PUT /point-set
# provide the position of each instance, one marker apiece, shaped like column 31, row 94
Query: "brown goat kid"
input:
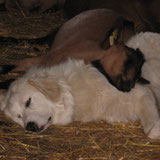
column 81, row 37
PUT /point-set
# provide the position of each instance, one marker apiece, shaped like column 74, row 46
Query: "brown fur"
column 81, row 38
column 77, row 39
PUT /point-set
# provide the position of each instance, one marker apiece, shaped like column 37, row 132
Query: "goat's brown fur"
column 81, row 37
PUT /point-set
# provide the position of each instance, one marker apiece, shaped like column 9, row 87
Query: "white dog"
column 74, row 91
column 149, row 44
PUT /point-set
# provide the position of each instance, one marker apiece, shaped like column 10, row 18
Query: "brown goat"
column 81, row 37
column 145, row 14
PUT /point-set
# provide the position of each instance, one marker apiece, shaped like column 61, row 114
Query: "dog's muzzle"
column 31, row 126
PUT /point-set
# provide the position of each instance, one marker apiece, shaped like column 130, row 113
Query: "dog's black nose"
column 31, row 126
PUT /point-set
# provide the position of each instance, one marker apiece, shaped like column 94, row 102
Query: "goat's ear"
column 111, row 38
column 48, row 88
column 142, row 80
column 3, row 101
column 113, row 35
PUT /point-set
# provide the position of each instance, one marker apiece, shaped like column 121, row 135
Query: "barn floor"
column 77, row 141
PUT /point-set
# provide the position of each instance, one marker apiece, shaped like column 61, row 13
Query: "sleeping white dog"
column 74, row 91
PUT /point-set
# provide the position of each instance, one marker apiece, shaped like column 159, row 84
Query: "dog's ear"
column 3, row 101
column 48, row 88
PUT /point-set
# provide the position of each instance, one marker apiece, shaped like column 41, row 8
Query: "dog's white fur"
column 149, row 44
column 74, row 91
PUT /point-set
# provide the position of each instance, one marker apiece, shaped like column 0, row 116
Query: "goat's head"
column 123, row 66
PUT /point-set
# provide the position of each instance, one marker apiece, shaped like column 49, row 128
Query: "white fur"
column 149, row 44
column 85, row 95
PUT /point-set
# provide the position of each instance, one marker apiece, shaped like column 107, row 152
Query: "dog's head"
column 37, row 103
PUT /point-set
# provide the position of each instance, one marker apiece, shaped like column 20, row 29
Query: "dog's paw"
column 155, row 131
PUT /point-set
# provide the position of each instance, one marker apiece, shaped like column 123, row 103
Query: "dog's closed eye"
column 19, row 116
column 28, row 102
column 49, row 119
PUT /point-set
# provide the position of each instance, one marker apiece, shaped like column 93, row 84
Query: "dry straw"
column 93, row 141
column 77, row 141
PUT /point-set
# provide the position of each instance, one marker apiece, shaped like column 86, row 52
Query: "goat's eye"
column 19, row 116
column 49, row 118
column 28, row 102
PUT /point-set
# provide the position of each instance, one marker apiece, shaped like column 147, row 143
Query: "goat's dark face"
column 131, row 69
column 123, row 66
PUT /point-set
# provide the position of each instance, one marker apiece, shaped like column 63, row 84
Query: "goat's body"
column 80, row 38
column 90, row 30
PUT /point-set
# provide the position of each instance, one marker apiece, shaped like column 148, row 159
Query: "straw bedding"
column 83, row 141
